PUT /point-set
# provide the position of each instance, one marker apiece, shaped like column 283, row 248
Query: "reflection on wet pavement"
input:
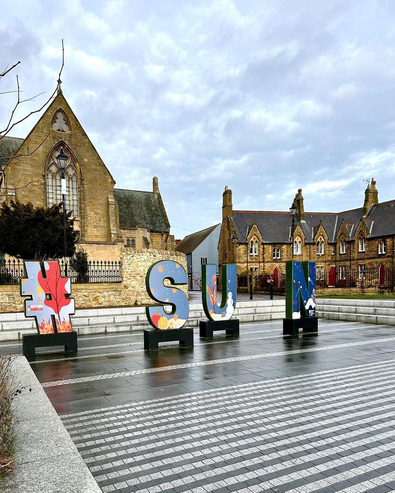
column 254, row 413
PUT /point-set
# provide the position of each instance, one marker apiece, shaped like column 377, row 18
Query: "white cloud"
column 255, row 95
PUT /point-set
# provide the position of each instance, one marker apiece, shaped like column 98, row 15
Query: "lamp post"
column 292, row 210
column 62, row 159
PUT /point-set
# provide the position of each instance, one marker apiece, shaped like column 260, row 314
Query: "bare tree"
column 11, row 121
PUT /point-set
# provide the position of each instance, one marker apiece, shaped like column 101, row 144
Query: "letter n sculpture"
column 49, row 303
column 219, row 316
column 300, row 298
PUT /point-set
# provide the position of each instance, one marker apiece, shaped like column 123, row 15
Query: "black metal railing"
column 352, row 278
column 99, row 271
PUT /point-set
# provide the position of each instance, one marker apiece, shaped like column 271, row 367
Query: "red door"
column 332, row 276
column 382, row 275
column 275, row 275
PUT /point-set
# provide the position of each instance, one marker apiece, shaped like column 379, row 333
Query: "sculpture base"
column 66, row 339
column 153, row 336
column 291, row 326
column 231, row 326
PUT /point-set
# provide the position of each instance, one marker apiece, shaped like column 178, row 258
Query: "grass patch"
column 7, row 431
column 359, row 296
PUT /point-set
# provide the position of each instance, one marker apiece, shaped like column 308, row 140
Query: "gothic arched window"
column 60, row 122
column 297, row 246
column 54, row 184
column 254, row 245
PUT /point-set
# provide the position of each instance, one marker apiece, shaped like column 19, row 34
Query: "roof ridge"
column 132, row 190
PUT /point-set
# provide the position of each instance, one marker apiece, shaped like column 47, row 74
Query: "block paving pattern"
column 258, row 413
column 328, row 431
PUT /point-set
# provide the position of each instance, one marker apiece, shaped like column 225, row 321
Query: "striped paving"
column 255, row 413
column 326, row 431
column 57, row 383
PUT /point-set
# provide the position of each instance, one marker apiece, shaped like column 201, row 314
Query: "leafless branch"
column 2, row 74
column 10, row 125
column 6, row 158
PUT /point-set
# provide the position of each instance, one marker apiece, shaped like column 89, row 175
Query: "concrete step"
column 380, row 319
column 357, row 309
column 106, row 320
column 359, row 302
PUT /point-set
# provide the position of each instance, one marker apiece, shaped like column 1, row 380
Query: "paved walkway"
column 257, row 413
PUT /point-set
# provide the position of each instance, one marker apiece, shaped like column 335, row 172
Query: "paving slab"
column 258, row 412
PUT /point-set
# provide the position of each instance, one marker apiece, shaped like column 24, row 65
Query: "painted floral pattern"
column 49, row 303
column 175, row 300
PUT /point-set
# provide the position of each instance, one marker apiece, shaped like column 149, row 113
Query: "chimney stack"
column 298, row 201
column 371, row 197
column 155, row 185
column 227, row 207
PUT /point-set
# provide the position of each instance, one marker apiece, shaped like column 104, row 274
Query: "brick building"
column 350, row 248
column 107, row 218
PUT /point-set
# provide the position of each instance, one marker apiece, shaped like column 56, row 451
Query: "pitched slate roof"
column 275, row 227
column 139, row 209
column 8, row 147
column 383, row 217
column 191, row 242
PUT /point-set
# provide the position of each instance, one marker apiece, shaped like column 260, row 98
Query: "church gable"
column 34, row 175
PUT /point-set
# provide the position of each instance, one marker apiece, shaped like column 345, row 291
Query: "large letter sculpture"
column 168, row 325
column 300, row 298
column 50, row 305
column 219, row 316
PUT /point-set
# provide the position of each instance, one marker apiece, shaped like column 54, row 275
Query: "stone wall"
column 130, row 292
column 135, row 266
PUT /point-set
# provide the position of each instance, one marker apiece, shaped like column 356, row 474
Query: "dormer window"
column 361, row 244
column 320, row 246
column 298, row 246
column 342, row 247
column 254, row 247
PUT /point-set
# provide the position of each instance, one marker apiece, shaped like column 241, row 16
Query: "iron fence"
column 99, row 271
column 381, row 279
column 355, row 278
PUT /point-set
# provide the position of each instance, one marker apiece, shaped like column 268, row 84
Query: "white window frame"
column 381, row 247
column 320, row 247
column 254, row 249
column 298, row 246
column 361, row 245
column 361, row 271
column 276, row 253
column 342, row 247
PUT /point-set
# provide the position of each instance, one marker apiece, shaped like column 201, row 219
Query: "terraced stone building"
column 351, row 248
column 107, row 218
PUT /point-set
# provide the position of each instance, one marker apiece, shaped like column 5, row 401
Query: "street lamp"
column 62, row 159
column 292, row 210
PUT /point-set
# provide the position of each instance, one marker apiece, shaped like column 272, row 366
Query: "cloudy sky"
column 263, row 96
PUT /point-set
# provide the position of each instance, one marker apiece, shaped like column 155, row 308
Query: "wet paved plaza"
column 254, row 413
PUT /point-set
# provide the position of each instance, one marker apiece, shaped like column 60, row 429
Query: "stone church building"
column 107, row 218
column 351, row 248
